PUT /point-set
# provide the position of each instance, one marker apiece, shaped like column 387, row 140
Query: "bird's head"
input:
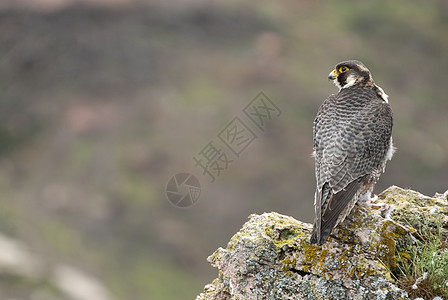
column 351, row 73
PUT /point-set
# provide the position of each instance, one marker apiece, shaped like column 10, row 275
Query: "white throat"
column 336, row 83
column 351, row 80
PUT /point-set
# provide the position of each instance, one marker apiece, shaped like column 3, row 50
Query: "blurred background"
column 102, row 102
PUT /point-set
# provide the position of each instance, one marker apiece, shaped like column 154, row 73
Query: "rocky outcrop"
column 271, row 258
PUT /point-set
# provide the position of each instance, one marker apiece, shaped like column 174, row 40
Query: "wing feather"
column 351, row 137
column 329, row 216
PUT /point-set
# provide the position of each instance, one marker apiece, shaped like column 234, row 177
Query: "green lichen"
column 344, row 235
column 287, row 234
column 267, row 257
column 404, row 257
column 288, row 264
column 322, row 256
column 311, row 253
column 385, row 249
column 345, row 261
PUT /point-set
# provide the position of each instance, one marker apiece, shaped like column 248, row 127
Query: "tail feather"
column 320, row 198
column 328, row 209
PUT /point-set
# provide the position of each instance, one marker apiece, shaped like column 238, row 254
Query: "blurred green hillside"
column 101, row 105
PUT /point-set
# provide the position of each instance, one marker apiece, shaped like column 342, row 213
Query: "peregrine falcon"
column 352, row 139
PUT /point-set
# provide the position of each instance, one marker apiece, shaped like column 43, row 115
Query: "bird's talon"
column 387, row 213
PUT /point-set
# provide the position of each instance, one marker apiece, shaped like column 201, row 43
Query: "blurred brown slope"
column 101, row 106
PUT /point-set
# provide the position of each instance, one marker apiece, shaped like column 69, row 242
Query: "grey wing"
column 347, row 147
column 327, row 215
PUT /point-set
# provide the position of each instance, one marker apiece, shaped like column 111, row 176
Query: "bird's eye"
column 343, row 69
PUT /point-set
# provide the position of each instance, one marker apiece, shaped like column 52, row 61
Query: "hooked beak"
column 332, row 75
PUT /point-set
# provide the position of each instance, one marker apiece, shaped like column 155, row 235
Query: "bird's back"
column 351, row 135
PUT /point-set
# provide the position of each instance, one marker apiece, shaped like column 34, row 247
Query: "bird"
column 352, row 141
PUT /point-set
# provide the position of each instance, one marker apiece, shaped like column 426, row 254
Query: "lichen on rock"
column 271, row 258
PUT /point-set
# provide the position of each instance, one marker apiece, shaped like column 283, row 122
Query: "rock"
column 271, row 258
